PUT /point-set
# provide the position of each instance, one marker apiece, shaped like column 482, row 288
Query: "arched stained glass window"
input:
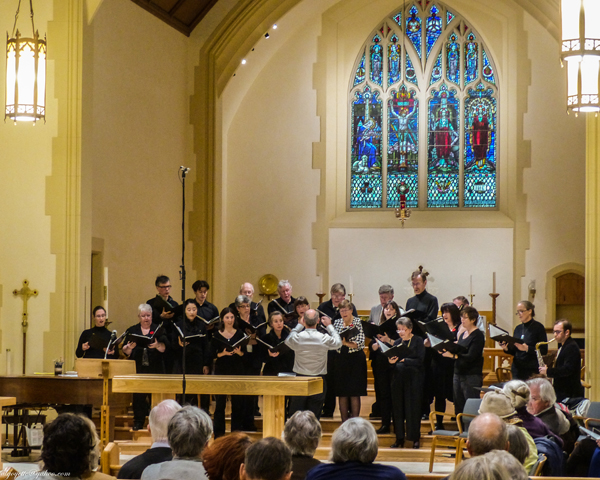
column 423, row 114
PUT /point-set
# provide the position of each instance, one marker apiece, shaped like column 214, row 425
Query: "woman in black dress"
column 443, row 367
column 229, row 362
column 468, row 366
column 407, row 385
column 350, row 367
column 147, row 359
column 197, row 352
column 87, row 350
column 277, row 362
column 382, row 371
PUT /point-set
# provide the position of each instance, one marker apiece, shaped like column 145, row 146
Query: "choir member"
column 257, row 309
column 382, row 372
column 163, row 311
column 468, row 365
column 525, row 363
column 330, row 309
column 147, row 359
column 285, row 302
column 407, row 385
column 301, row 306
column 351, row 363
column 443, row 367
column 229, row 362
column 197, row 351
column 566, row 370
column 277, row 362
column 84, row 349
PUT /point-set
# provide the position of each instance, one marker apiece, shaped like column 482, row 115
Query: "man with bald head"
column 487, row 432
column 311, row 347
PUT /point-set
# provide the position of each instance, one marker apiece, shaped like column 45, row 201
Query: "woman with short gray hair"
column 353, row 451
column 302, row 434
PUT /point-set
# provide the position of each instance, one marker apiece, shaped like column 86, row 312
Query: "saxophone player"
column 567, row 366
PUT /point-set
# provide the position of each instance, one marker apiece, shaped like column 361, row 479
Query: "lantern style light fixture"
column 25, row 74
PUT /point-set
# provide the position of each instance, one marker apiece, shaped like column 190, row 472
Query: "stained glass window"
column 423, row 76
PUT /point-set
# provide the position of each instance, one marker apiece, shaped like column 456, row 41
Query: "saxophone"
column 538, row 354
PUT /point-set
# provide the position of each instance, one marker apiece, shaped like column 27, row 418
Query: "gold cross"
column 25, row 292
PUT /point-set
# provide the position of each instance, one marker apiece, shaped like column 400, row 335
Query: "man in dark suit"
column 160, row 451
column 566, row 371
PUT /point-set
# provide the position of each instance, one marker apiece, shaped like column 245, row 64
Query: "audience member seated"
column 302, row 434
column 480, row 468
column 519, row 394
column 487, row 432
column 69, row 449
column 353, row 451
column 542, row 405
column 188, row 433
column 498, row 402
column 267, row 459
column 223, row 457
column 517, row 443
column 515, row 469
column 160, row 451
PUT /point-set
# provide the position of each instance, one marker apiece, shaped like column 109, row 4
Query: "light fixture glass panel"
column 10, row 74
column 572, row 75
column 592, row 16
column 570, row 19
column 26, row 74
column 41, row 81
column 589, row 75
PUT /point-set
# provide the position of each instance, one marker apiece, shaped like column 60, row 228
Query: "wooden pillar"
column 592, row 257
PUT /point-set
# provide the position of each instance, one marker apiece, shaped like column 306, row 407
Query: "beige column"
column 592, row 256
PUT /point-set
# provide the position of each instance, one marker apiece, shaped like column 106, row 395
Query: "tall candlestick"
column 494, row 283
column 320, row 283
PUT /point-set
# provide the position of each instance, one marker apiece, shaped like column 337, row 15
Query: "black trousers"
column 329, row 401
column 382, row 376
column 407, row 388
column 314, row 403
column 141, row 408
column 237, row 405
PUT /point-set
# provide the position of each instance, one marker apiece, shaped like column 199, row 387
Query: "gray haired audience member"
column 542, row 405
column 353, row 450
column 481, row 468
column 160, row 451
column 267, row 459
column 302, row 434
column 189, row 431
column 516, row 471
column 517, row 443
column 487, row 432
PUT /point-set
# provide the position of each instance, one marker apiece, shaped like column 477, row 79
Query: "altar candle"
column 494, row 283
column 320, row 283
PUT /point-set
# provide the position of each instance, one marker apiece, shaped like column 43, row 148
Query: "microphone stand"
column 183, row 382
column 182, row 273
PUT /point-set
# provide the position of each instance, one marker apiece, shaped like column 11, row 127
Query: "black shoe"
column 383, row 430
column 374, row 415
column 327, row 414
column 251, row 428
column 416, row 444
column 397, row 444
column 425, row 417
column 136, row 427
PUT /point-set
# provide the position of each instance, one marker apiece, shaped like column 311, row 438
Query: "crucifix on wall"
column 25, row 293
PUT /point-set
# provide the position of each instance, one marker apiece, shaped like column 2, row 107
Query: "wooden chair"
column 503, row 374
column 536, row 469
column 9, row 473
column 452, row 438
column 110, row 463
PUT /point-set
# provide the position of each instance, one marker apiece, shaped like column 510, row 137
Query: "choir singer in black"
column 91, row 340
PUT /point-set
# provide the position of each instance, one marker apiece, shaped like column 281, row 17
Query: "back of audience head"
column 189, row 431
column 487, row 432
column 69, row 446
column 542, row 395
column 480, row 468
column 518, row 392
column 354, row 441
column 159, row 418
column 267, row 459
column 515, row 469
column 302, row 433
column 517, row 443
column 222, row 459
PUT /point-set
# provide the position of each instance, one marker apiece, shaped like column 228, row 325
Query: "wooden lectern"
column 107, row 369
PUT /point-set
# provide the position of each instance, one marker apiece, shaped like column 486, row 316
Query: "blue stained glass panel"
column 403, row 132
column 442, row 190
column 443, row 148
column 366, row 154
column 413, row 29
column 365, row 191
column 359, row 77
column 394, row 61
column 376, row 74
column 480, row 147
column 393, row 196
column 471, row 59
column 434, row 28
column 410, row 74
column 453, row 60
column 487, row 71
column 449, row 16
column 436, row 73
column 398, row 19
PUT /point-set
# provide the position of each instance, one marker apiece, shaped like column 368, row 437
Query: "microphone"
column 185, row 170
column 113, row 337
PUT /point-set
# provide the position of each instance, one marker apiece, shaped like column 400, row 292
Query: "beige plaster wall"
column 137, row 124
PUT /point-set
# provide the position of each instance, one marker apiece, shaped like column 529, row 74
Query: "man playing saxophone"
column 566, row 369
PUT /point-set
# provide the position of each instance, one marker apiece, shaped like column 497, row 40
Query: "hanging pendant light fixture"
column 25, row 74
column 580, row 49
